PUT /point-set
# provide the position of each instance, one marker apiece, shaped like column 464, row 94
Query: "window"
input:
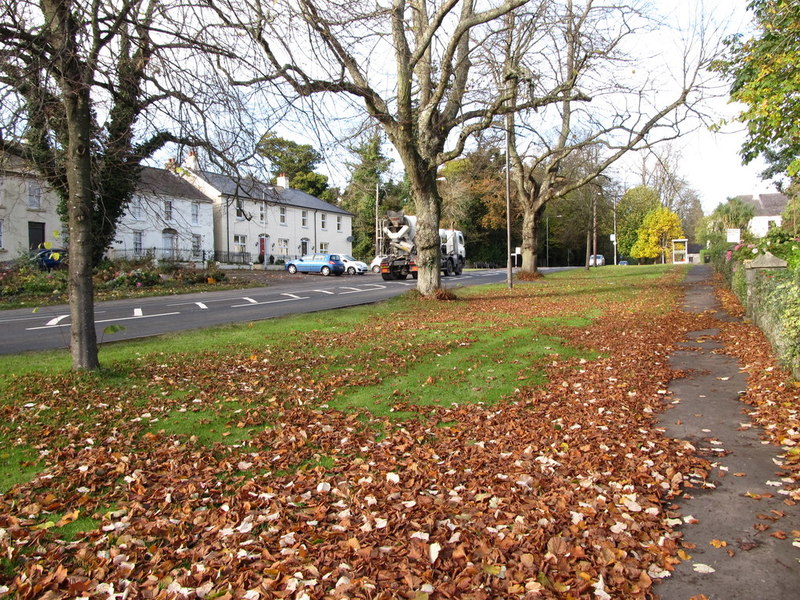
column 195, row 213
column 137, row 243
column 2, row 227
column 282, row 215
column 240, row 243
column 304, row 218
column 34, row 194
column 136, row 208
column 169, row 244
column 197, row 245
column 283, row 246
column 168, row 210
column 239, row 209
column 323, row 220
column 262, row 212
column 323, row 247
column 338, row 222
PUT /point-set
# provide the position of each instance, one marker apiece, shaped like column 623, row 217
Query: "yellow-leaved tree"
column 659, row 228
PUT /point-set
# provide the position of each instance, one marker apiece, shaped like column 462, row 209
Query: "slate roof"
column 160, row 182
column 257, row 190
column 766, row 205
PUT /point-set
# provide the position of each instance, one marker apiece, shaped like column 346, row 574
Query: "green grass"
column 18, row 464
column 483, row 371
column 207, row 426
column 400, row 352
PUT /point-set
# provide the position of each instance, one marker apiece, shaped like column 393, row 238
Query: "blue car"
column 49, row 258
column 324, row 264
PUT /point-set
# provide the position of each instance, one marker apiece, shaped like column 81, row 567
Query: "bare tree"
column 88, row 90
column 611, row 99
column 409, row 64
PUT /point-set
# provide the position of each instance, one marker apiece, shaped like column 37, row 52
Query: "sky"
column 710, row 160
column 711, row 163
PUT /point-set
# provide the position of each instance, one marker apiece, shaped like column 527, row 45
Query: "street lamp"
column 509, row 276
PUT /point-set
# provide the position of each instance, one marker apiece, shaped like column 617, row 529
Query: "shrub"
column 136, row 278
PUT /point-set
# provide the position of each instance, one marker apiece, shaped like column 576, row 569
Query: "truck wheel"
column 446, row 269
column 387, row 276
column 326, row 271
column 414, row 275
column 459, row 268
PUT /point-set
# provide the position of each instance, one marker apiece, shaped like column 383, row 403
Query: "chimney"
column 191, row 161
column 283, row 181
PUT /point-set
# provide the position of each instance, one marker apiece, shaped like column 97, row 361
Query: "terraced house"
column 255, row 222
column 28, row 210
column 186, row 215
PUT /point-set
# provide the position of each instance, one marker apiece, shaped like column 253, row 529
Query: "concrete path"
column 733, row 527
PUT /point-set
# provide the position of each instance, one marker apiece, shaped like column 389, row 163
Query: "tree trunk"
column 530, row 241
column 428, row 205
column 83, row 338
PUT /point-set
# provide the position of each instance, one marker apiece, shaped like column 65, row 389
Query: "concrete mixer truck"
column 397, row 243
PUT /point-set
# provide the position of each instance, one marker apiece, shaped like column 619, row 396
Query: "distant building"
column 255, row 222
column 28, row 210
column 166, row 219
column 768, row 210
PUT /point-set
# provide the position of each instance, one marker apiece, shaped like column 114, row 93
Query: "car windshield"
column 350, row 258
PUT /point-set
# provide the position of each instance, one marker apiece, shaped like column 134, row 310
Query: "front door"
column 35, row 234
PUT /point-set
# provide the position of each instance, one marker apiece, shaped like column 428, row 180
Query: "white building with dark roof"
column 28, row 210
column 167, row 219
column 768, row 210
column 255, row 222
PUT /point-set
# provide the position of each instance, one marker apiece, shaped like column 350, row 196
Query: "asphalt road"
column 21, row 330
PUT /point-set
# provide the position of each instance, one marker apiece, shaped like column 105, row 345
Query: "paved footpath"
column 737, row 517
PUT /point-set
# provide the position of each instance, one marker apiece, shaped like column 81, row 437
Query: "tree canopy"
column 659, row 228
column 632, row 209
column 765, row 76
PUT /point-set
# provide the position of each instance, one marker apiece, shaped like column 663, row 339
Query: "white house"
column 768, row 210
column 28, row 215
column 167, row 218
column 258, row 222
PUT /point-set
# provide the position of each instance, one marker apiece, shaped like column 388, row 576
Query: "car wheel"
column 351, row 270
column 292, row 269
column 326, row 271
column 376, row 269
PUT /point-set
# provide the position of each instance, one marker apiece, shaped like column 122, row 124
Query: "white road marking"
column 137, row 312
column 106, row 321
column 324, row 292
column 250, row 300
column 201, row 305
column 55, row 321
column 289, row 299
column 352, row 290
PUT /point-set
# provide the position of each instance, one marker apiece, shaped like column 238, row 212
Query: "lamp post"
column 377, row 221
column 509, row 275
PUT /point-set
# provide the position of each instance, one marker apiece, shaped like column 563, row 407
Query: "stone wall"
column 756, row 284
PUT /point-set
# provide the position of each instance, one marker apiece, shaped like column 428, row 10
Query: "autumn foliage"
column 562, row 490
